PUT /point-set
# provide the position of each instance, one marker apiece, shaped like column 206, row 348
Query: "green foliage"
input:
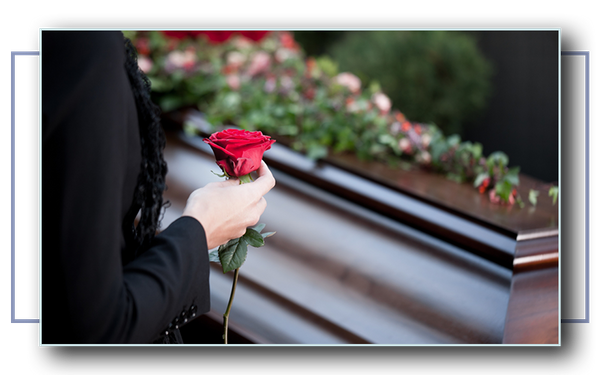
column 233, row 254
column 434, row 76
column 311, row 106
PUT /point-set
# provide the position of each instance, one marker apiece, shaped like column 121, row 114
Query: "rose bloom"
column 287, row 84
column 261, row 62
column 400, row 117
column 270, row 84
column 233, row 81
column 418, row 129
column 425, row 157
column 404, row 145
column 484, row 185
column 494, row 198
column 145, row 64
column 287, row 41
column 348, row 80
column 180, row 60
column 382, row 102
column 395, row 128
column 239, row 152
column 425, row 140
column 236, row 59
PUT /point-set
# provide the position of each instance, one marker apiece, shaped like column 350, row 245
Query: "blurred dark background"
column 514, row 75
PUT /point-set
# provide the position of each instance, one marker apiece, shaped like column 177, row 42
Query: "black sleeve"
column 90, row 162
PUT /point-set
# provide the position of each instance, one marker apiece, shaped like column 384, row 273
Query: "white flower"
column 286, row 83
column 348, row 80
column 404, row 145
column 425, row 157
column 235, row 59
column 425, row 140
column 283, row 54
column 382, row 102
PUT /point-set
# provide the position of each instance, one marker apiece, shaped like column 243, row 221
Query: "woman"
column 105, row 280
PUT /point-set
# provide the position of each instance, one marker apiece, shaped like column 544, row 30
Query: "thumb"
column 265, row 180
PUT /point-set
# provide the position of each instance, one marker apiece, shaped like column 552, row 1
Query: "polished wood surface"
column 355, row 261
column 338, row 273
column 532, row 315
column 462, row 199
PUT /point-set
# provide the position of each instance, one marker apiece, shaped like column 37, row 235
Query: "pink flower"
column 180, row 60
column 260, row 63
column 286, row 84
column 349, row 81
column 270, row 84
column 493, row 197
column 233, row 81
column 287, row 41
column 404, row 145
column 382, row 102
column 145, row 64
column 395, row 127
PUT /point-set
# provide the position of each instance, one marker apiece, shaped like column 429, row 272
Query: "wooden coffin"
column 365, row 256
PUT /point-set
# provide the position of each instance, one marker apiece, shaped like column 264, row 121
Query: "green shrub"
column 433, row 76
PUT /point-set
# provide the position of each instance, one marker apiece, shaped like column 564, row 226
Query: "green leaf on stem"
column 259, row 227
column 512, row 175
column 533, row 194
column 553, row 192
column 497, row 158
column 267, row 234
column 253, row 238
column 233, row 254
column 504, row 189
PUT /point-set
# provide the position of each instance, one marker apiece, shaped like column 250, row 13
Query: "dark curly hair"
column 147, row 198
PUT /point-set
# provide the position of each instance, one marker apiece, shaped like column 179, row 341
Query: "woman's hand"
column 225, row 209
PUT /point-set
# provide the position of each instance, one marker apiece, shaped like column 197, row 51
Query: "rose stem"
column 226, row 314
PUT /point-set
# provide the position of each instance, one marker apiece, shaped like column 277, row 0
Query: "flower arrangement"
column 263, row 81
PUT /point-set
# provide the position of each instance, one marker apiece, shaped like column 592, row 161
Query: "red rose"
column 239, row 152
column 255, row 36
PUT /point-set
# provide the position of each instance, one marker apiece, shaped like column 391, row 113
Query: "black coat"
column 91, row 154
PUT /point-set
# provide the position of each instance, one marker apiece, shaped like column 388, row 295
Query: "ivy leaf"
column 533, row 194
column 504, row 189
column 512, row 176
column 553, row 192
column 497, row 158
column 233, row 254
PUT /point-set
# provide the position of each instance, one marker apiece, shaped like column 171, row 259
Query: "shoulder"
column 82, row 72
